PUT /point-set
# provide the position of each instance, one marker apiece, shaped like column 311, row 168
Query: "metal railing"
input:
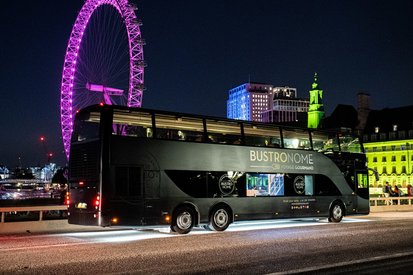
column 40, row 209
column 391, row 204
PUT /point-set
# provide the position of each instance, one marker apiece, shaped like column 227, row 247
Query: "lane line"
column 343, row 264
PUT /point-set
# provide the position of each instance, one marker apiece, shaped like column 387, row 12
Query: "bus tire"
column 336, row 212
column 183, row 220
column 220, row 218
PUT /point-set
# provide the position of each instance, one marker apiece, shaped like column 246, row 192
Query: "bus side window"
column 225, row 132
column 169, row 134
column 135, row 124
column 319, row 140
column 325, row 187
column 262, row 135
column 331, row 144
column 362, row 180
column 179, row 128
column 86, row 127
column 131, row 130
column 350, row 144
column 296, row 139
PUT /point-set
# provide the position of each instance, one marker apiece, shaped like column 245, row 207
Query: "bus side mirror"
column 376, row 174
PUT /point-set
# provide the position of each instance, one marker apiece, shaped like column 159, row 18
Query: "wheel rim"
column 221, row 218
column 184, row 220
column 337, row 212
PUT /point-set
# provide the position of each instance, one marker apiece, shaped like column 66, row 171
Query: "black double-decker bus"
column 139, row 167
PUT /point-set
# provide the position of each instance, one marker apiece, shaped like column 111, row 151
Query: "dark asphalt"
column 375, row 244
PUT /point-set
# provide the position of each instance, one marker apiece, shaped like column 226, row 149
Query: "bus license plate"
column 81, row 205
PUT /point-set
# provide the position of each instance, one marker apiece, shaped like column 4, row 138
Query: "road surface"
column 368, row 244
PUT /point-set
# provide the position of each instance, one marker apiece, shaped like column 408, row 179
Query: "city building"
column 387, row 136
column 388, row 141
column 266, row 103
column 4, row 172
column 248, row 101
column 316, row 107
column 44, row 173
column 286, row 106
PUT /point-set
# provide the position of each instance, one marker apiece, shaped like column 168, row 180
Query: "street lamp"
column 49, row 157
column 409, row 170
column 48, row 154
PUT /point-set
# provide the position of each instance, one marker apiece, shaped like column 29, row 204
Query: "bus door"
column 127, row 202
column 151, row 205
column 362, row 191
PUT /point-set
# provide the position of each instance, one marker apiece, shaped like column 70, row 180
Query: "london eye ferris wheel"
column 103, row 62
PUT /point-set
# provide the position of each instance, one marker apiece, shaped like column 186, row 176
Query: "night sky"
column 197, row 50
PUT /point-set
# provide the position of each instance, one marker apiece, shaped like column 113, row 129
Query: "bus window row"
column 193, row 129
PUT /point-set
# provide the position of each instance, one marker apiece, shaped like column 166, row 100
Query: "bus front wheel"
column 219, row 219
column 183, row 220
column 336, row 213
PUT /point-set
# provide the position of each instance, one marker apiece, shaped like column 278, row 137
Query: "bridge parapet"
column 386, row 204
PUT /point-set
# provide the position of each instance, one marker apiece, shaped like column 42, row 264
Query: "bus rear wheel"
column 183, row 220
column 219, row 219
column 336, row 213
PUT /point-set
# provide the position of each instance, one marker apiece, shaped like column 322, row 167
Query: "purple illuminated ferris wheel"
column 103, row 62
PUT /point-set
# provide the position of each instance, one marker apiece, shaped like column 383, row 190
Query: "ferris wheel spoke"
column 105, row 48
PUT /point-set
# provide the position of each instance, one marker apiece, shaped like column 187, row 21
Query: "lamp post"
column 48, row 154
column 409, row 170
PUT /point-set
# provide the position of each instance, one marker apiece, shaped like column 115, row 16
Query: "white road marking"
column 342, row 264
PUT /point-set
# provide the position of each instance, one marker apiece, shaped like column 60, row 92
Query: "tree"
column 59, row 176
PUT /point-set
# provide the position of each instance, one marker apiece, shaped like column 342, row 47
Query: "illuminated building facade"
column 388, row 141
column 266, row 103
column 248, row 101
column 387, row 137
column 316, row 108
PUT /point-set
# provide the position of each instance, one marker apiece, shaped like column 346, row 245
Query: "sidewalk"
column 44, row 227
column 390, row 215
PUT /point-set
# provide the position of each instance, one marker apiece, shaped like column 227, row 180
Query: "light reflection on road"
column 128, row 235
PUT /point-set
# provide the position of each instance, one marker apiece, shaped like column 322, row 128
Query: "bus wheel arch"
column 185, row 217
column 337, row 211
column 220, row 217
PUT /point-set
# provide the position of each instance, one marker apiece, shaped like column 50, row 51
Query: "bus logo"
column 226, row 185
column 299, row 185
